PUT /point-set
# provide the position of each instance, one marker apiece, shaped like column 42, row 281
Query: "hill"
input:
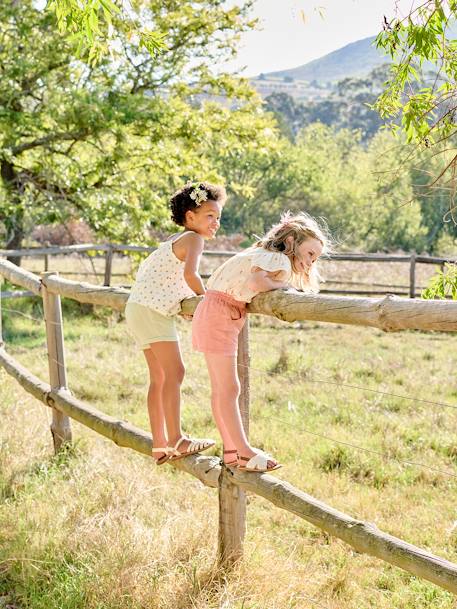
column 355, row 59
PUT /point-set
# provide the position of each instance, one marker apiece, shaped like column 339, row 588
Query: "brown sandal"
column 161, row 460
column 233, row 463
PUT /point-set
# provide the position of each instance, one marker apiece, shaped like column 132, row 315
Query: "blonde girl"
column 284, row 257
column 166, row 277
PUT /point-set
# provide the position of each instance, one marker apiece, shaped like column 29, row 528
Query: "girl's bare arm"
column 264, row 281
column 193, row 250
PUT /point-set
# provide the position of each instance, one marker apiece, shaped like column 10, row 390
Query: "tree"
column 353, row 189
column 426, row 105
column 108, row 143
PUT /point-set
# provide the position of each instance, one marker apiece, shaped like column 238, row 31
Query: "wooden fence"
column 389, row 313
column 109, row 250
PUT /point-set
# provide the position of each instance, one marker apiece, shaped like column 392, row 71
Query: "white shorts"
column 147, row 326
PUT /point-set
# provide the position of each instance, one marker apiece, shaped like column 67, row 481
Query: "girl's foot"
column 232, row 458
column 260, row 462
column 162, row 455
column 188, row 446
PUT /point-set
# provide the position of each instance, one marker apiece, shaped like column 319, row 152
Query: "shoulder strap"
column 181, row 235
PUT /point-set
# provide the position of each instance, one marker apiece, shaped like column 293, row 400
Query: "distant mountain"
column 355, row 59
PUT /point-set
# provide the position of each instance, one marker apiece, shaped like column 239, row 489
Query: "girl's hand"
column 186, row 316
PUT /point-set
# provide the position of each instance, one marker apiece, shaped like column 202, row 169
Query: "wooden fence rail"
column 387, row 313
column 120, row 247
column 108, row 250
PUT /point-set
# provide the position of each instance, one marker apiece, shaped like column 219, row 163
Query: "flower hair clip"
column 199, row 195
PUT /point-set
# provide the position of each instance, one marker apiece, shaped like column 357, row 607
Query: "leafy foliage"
column 91, row 24
column 108, row 143
column 443, row 285
column 423, row 40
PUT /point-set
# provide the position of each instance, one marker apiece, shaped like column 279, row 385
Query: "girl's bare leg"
column 224, row 401
column 168, row 355
column 155, row 405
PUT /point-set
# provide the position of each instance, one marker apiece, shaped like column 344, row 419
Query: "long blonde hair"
column 300, row 226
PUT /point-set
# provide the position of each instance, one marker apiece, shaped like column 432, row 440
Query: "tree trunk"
column 14, row 223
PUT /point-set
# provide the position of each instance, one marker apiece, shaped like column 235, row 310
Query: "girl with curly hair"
column 164, row 279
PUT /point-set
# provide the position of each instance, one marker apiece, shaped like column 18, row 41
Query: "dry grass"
column 100, row 527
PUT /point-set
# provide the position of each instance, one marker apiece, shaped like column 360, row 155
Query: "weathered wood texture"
column 243, row 363
column 232, row 498
column 1, row 295
column 387, row 313
column 19, row 276
column 362, row 536
column 108, row 266
column 60, row 425
column 232, row 519
column 122, row 433
column 412, row 276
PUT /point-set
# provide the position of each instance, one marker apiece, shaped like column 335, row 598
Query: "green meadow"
column 364, row 421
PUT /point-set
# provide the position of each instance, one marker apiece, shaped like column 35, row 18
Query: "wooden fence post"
column 46, row 263
column 232, row 499
column 412, row 276
column 60, row 426
column 108, row 265
column 1, row 332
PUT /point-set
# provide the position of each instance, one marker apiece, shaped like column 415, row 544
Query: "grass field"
column 101, row 527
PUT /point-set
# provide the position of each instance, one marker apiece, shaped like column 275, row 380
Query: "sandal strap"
column 160, row 450
column 257, row 462
column 195, row 445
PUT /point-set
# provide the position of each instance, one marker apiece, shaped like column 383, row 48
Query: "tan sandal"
column 194, row 446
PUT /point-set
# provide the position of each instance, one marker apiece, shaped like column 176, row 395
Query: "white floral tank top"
column 160, row 283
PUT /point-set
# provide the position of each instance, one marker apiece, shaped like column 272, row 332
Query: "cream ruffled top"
column 232, row 276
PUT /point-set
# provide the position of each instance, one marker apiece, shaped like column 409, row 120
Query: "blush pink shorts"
column 218, row 319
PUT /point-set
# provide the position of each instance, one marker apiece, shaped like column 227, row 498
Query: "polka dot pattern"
column 160, row 283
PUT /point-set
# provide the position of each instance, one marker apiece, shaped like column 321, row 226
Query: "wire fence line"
column 305, row 379
column 322, row 436
column 290, row 377
column 351, row 386
column 364, row 537
column 384, row 456
column 295, row 428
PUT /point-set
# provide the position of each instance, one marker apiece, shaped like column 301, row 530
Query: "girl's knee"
column 156, row 378
column 229, row 390
column 175, row 375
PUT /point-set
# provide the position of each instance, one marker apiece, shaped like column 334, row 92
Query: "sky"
column 295, row 32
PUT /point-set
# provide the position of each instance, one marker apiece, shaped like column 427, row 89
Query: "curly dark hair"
column 181, row 202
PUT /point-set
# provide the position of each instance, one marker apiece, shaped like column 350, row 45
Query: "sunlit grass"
column 101, row 527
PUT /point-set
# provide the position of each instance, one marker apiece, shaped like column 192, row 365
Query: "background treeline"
column 107, row 144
